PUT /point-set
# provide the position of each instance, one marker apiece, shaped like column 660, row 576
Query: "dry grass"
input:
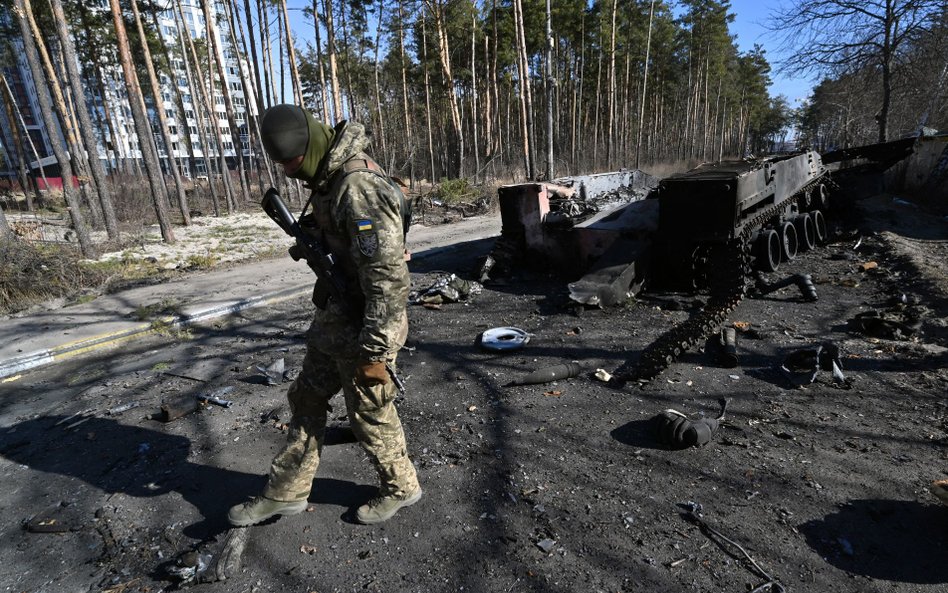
column 32, row 273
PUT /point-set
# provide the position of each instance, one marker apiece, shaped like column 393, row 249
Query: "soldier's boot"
column 383, row 508
column 262, row 508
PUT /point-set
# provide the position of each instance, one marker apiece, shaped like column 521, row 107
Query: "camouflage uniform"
column 357, row 216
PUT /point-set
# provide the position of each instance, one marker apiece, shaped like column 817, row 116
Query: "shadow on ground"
column 894, row 540
column 143, row 463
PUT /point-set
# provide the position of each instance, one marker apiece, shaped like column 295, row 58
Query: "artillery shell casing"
column 553, row 373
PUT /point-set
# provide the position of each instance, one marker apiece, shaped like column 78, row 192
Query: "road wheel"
column 806, row 233
column 788, row 241
column 767, row 251
column 819, row 226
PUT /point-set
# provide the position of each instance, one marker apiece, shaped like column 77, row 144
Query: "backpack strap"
column 367, row 165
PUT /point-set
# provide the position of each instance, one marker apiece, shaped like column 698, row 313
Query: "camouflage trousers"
column 372, row 416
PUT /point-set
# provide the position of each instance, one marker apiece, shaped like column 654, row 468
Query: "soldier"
column 357, row 216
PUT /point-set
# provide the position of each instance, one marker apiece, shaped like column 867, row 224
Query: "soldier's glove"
column 371, row 373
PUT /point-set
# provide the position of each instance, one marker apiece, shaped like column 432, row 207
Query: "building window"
column 235, row 86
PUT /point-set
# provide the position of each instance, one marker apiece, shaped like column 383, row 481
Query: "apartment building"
column 118, row 142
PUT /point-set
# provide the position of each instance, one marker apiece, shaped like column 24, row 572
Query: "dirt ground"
column 554, row 487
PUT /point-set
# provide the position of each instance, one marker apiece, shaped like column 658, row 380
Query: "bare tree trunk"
column 17, row 151
column 444, row 53
column 378, row 93
column 611, row 101
column 142, row 129
column 120, row 163
column 489, row 105
column 322, row 97
column 46, row 109
column 525, row 107
column 291, row 55
column 549, row 92
column 198, row 115
column 6, row 234
column 424, row 47
column 474, row 113
column 253, row 123
column 264, row 21
column 162, row 117
column 77, row 151
column 253, row 56
column 410, row 143
column 85, row 123
column 215, row 49
column 648, row 47
column 210, row 106
column 16, row 122
column 346, row 66
column 333, row 73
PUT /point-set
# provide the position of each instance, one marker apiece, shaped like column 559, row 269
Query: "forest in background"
column 475, row 90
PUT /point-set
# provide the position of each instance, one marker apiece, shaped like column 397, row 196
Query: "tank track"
column 730, row 267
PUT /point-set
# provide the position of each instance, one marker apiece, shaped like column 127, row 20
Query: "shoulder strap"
column 367, row 165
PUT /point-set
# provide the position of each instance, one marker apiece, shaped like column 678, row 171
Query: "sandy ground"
column 556, row 487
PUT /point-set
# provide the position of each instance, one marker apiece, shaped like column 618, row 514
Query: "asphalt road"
column 554, row 487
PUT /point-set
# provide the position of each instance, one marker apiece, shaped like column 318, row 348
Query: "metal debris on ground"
column 47, row 524
column 189, row 566
column 273, row 414
column 675, row 430
column 274, row 373
column 547, row 374
column 83, row 414
column 503, row 339
column 802, row 281
column 546, row 545
column 603, row 375
column 448, row 288
column 215, row 396
column 122, row 408
column 895, row 323
column 803, row 366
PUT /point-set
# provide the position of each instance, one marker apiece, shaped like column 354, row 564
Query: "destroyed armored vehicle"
column 705, row 229
column 773, row 206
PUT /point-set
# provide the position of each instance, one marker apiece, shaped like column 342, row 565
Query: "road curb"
column 103, row 341
column 38, row 358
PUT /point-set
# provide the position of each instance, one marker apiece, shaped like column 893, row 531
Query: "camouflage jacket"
column 357, row 216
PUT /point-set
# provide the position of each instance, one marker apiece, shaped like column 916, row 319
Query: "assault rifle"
column 307, row 247
column 319, row 259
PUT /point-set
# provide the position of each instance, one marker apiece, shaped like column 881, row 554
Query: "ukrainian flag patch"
column 366, row 237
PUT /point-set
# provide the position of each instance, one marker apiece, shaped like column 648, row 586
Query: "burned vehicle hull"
column 773, row 207
column 716, row 223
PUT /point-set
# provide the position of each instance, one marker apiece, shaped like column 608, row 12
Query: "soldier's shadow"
column 139, row 462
